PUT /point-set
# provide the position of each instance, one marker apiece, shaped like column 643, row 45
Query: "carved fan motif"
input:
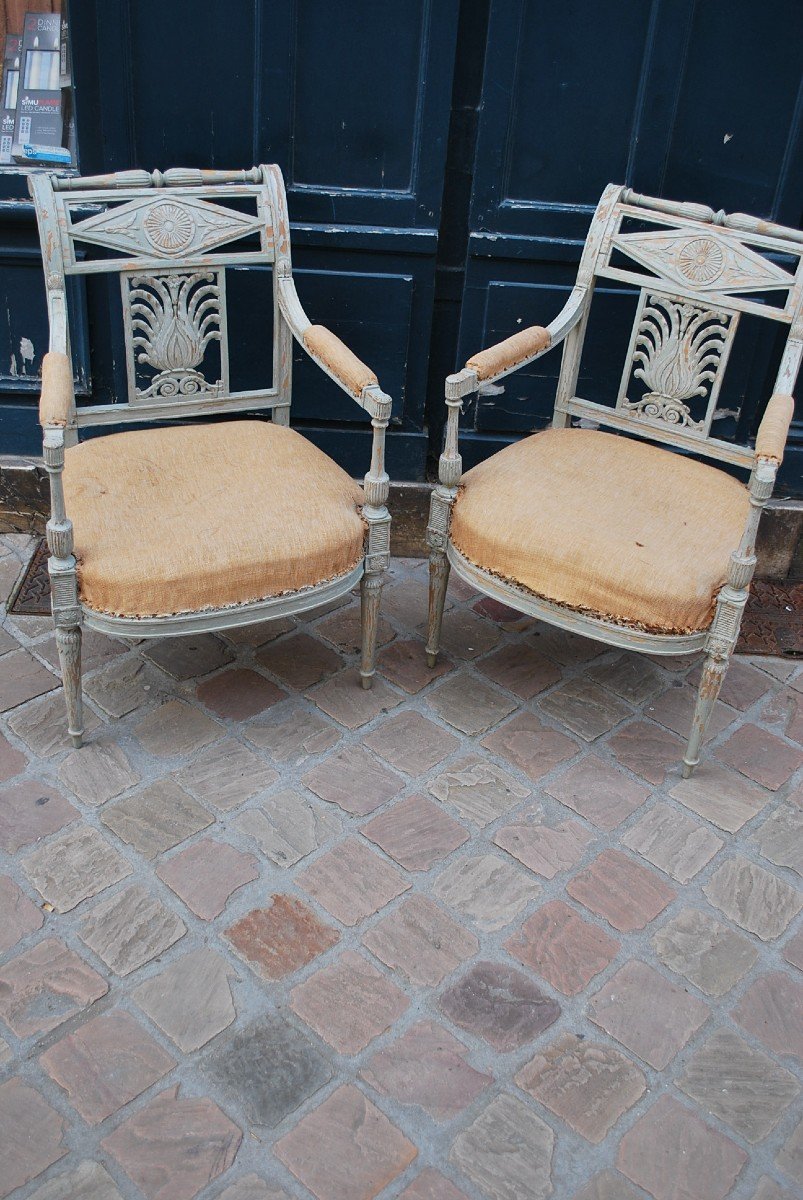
column 678, row 352
column 173, row 320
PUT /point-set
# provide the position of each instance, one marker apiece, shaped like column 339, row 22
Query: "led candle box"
column 8, row 110
column 39, row 122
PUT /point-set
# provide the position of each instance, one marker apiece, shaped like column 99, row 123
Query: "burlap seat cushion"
column 198, row 517
column 605, row 525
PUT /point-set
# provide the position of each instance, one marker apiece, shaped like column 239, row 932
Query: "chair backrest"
column 170, row 236
column 697, row 271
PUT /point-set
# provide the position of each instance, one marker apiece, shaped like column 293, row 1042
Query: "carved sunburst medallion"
column 169, row 227
column 701, row 260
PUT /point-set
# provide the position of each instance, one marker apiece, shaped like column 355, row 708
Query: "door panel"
column 664, row 96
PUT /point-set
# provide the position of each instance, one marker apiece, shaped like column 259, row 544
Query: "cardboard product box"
column 65, row 56
column 38, row 128
column 10, row 85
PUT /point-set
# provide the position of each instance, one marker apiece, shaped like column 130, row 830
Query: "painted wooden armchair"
column 611, row 536
column 194, row 527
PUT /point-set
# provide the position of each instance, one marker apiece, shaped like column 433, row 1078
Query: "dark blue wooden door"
column 352, row 101
column 695, row 101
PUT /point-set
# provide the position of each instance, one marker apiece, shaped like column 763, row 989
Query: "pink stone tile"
column 626, row 894
column 30, row 811
column 521, row 668
column 404, row 663
column 674, row 709
column 238, row 693
column 349, row 1003
column 597, row 791
column 431, row 1185
column 743, row 685
column 276, row 941
column 671, row 1153
column 772, row 1010
column 426, row 1067
column 45, row 986
column 353, row 780
column 529, row 745
column 206, row 874
column 23, row 678
column 648, row 750
column 33, row 1135
column 647, row 1013
column 416, row 832
column 588, row 1085
column 175, row 1145
column 107, row 1062
column 411, row 742
column 562, row 948
column 793, row 950
column 421, row 940
column 18, row 915
column 760, row 756
column 351, row 881
column 346, row 1149
column 12, row 761
column 546, row 849
column 345, row 699
column 499, row 1003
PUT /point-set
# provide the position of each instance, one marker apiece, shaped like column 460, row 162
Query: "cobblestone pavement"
column 468, row 935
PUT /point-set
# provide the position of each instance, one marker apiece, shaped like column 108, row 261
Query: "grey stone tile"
column 673, row 842
column 73, row 866
column 631, row 676
column 23, row 679
column 584, row 707
column 478, row 789
column 709, row 954
column 190, row 656
column 295, row 736
column 131, row 928
column 125, row 685
column 754, row 898
column 89, row 1181
column 190, row 1000
column 176, row 728
column 98, row 772
column 42, row 725
column 469, row 704
column 486, row 889
column 287, row 827
column 507, row 1151
column 268, row 1069
column 721, row 796
column 226, row 774
column 157, row 817
column 743, row 1087
column 780, row 837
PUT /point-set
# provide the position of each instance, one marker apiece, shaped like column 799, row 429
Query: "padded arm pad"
column 774, row 427
column 509, row 353
column 327, row 346
column 56, row 400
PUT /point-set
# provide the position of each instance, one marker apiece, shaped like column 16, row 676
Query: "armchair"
column 614, row 537
column 188, row 527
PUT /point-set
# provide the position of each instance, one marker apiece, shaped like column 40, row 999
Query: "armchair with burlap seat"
column 639, row 545
column 164, row 531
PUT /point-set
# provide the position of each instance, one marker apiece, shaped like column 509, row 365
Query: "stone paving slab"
column 467, row 936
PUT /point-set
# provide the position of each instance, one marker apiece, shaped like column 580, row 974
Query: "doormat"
column 772, row 624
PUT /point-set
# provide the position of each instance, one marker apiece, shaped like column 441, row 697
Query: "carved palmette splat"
column 703, row 262
column 171, row 320
column 678, row 351
column 165, row 227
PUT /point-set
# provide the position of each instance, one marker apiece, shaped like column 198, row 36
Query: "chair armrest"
column 330, row 353
column 774, row 427
column 56, row 402
column 511, row 353
column 327, row 349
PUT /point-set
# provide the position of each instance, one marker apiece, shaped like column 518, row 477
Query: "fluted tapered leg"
column 68, row 643
column 439, row 569
column 370, row 593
